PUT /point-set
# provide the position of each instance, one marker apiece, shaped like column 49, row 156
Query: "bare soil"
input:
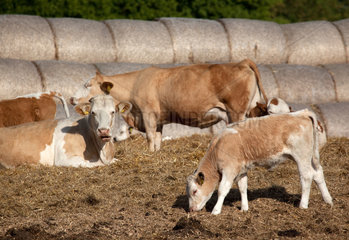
column 142, row 196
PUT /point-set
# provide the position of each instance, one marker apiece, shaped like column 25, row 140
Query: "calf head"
column 199, row 190
column 258, row 111
column 92, row 87
column 277, row 106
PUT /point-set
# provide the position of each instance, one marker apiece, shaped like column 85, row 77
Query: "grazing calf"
column 264, row 141
column 197, row 95
column 31, row 108
column 86, row 142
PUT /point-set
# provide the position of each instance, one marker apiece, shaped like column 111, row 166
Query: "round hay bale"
column 141, row 41
column 340, row 73
column 83, row 40
column 197, row 40
column 343, row 27
column 268, row 81
column 312, row 43
column 336, row 116
column 65, row 77
column 26, row 37
column 304, row 84
column 119, row 68
column 18, row 77
column 261, row 41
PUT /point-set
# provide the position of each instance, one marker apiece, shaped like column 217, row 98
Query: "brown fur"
column 258, row 111
column 22, row 144
column 23, row 110
column 274, row 101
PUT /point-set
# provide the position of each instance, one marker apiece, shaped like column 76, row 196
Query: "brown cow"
column 196, row 95
column 31, row 108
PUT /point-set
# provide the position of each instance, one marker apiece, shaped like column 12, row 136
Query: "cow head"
column 199, row 190
column 101, row 116
column 92, row 87
column 120, row 129
column 277, row 106
column 258, row 111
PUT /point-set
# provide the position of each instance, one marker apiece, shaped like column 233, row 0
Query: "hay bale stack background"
column 173, row 40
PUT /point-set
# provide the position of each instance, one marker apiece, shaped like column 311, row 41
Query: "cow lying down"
column 264, row 141
column 32, row 108
column 86, row 142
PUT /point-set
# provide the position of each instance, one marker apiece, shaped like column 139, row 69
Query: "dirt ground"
column 142, row 196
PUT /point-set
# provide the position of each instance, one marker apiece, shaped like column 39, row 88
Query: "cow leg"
column 306, row 173
column 150, row 129
column 320, row 181
column 223, row 190
column 242, row 183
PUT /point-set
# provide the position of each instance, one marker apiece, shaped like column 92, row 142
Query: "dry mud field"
column 142, row 196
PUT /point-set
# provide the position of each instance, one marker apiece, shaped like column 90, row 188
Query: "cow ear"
column 106, row 87
column 200, row 179
column 83, row 109
column 124, row 107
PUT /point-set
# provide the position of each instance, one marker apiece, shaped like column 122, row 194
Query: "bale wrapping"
column 336, row 116
column 261, row 41
column 340, row 73
column 83, row 40
column 18, row 77
column 197, row 40
column 304, row 84
column 312, row 43
column 343, row 27
column 26, row 37
column 141, row 41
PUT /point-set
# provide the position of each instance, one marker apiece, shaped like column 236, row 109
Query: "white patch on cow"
column 231, row 130
column 47, row 156
column 167, row 138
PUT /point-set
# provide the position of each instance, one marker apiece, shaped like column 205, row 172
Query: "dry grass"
column 143, row 197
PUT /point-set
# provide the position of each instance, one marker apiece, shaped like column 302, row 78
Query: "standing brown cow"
column 195, row 95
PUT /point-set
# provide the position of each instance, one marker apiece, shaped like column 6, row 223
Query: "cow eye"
column 93, row 113
column 195, row 191
column 113, row 112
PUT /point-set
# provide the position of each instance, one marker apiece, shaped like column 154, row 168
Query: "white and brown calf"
column 85, row 142
column 264, row 141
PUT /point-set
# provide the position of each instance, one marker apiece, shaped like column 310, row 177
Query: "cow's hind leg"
column 306, row 174
column 242, row 183
column 320, row 181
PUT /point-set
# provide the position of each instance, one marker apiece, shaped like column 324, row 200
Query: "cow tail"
column 254, row 68
column 64, row 103
column 316, row 154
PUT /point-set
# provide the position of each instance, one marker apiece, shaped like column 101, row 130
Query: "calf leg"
column 223, row 190
column 242, row 183
column 320, row 181
column 306, row 173
column 150, row 129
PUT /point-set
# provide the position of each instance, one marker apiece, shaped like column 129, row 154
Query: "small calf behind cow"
column 264, row 141
column 86, row 142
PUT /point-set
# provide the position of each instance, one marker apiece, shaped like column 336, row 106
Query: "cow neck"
column 102, row 148
column 123, row 86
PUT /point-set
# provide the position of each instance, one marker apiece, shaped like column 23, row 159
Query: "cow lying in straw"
column 32, row 108
column 86, row 142
column 264, row 141
column 196, row 95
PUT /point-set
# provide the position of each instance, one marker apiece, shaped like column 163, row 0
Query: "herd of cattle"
column 43, row 129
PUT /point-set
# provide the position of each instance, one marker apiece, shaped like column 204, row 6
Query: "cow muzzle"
column 104, row 134
column 73, row 101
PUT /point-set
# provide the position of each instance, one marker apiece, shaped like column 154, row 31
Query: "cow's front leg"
column 223, row 190
column 150, row 129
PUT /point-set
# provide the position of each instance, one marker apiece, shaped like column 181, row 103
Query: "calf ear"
column 106, row 87
column 200, row 179
column 124, row 107
column 83, row 109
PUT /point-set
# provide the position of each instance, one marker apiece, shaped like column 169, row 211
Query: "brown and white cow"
column 264, row 141
column 32, row 108
column 196, row 95
column 86, row 142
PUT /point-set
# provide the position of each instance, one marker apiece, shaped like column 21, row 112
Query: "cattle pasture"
column 142, row 196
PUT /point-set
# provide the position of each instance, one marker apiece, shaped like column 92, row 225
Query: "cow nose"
column 191, row 209
column 103, row 131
